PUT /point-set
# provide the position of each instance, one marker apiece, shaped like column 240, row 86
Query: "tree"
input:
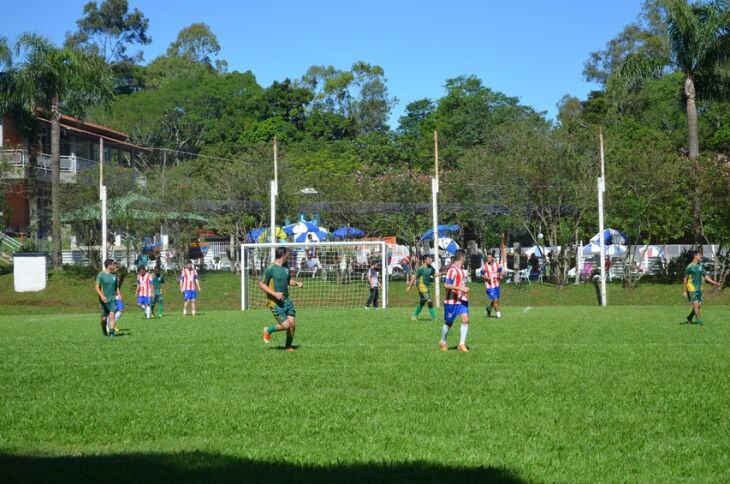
column 196, row 43
column 47, row 81
column 109, row 29
column 699, row 36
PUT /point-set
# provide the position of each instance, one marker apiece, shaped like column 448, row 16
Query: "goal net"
column 335, row 274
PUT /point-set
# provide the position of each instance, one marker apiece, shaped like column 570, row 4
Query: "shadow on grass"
column 206, row 467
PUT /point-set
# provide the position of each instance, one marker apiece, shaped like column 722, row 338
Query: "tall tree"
column 699, row 36
column 109, row 29
column 196, row 43
column 46, row 81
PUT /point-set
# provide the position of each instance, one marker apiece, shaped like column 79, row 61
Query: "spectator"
column 534, row 264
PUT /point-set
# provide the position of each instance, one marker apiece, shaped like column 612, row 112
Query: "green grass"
column 68, row 292
column 561, row 394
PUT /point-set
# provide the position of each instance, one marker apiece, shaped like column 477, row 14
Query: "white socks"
column 147, row 312
column 444, row 333
column 462, row 335
column 117, row 316
column 499, row 314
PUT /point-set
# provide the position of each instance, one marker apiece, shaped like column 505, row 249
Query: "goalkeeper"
column 275, row 283
column 423, row 275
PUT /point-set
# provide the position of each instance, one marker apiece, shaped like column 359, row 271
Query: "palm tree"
column 699, row 35
column 47, row 81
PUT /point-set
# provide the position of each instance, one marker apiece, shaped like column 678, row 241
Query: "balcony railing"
column 69, row 163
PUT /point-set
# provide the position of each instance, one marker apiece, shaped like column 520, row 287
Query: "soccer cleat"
column 443, row 346
column 689, row 320
column 290, row 350
column 267, row 336
column 489, row 311
column 367, row 307
column 699, row 322
column 462, row 348
column 414, row 318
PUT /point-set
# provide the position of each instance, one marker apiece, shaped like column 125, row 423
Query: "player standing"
column 275, row 283
column 158, row 283
column 456, row 302
column 144, row 290
column 189, row 286
column 423, row 275
column 492, row 272
column 107, row 289
column 694, row 274
column 374, row 281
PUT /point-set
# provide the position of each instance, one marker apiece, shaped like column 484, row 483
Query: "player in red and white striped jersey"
column 492, row 272
column 144, row 290
column 456, row 302
column 189, row 286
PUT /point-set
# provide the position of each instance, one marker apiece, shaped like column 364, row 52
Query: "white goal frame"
column 245, row 263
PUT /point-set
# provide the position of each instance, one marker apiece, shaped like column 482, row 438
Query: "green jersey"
column 694, row 274
column 108, row 283
column 423, row 278
column 157, row 282
column 277, row 278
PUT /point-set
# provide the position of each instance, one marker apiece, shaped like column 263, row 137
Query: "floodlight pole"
column 601, row 238
column 102, row 198
column 274, row 194
column 434, row 201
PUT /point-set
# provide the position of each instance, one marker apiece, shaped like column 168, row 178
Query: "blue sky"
column 531, row 49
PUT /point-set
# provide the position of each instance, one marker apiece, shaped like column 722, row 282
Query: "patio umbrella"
column 615, row 249
column 345, row 232
column 448, row 244
column 317, row 235
column 254, row 234
column 300, row 227
column 591, row 249
column 535, row 249
column 443, row 230
column 265, row 235
column 610, row 236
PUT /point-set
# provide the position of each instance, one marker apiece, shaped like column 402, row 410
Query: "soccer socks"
column 289, row 340
column 418, row 310
column 691, row 315
column 147, row 312
column 444, row 332
column 271, row 329
column 432, row 312
column 462, row 334
column 159, row 312
column 499, row 314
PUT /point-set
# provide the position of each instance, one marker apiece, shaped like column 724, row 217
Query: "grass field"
column 561, row 394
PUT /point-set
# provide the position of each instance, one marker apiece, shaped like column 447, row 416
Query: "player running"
column 107, row 289
column 275, row 283
column 456, row 302
column 189, row 286
column 492, row 273
column 144, row 291
column 158, row 284
column 694, row 274
column 423, row 275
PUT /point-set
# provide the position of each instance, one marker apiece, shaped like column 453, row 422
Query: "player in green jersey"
column 158, row 284
column 275, row 283
column 107, row 289
column 694, row 274
column 423, row 277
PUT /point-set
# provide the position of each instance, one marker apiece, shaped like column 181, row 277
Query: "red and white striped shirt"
column 188, row 278
column 492, row 272
column 144, row 284
column 455, row 276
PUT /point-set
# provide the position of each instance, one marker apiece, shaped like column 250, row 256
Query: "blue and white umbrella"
column 254, row 234
column 591, row 249
column 443, row 230
column 448, row 244
column 345, row 232
column 610, row 236
column 316, row 235
column 615, row 249
column 300, row 228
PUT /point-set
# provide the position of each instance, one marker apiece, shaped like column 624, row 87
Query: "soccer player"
column 374, row 282
column 144, row 291
column 158, row 283
column 275, row 283
column 694, row 274
column 456, row 302
column 423, row 275
column 107, row 289
column 492, row 273
column 189, row 286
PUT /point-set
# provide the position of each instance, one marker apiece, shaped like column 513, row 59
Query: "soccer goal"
column 335, row 274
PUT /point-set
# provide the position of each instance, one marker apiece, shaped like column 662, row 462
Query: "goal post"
column 334, row 273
